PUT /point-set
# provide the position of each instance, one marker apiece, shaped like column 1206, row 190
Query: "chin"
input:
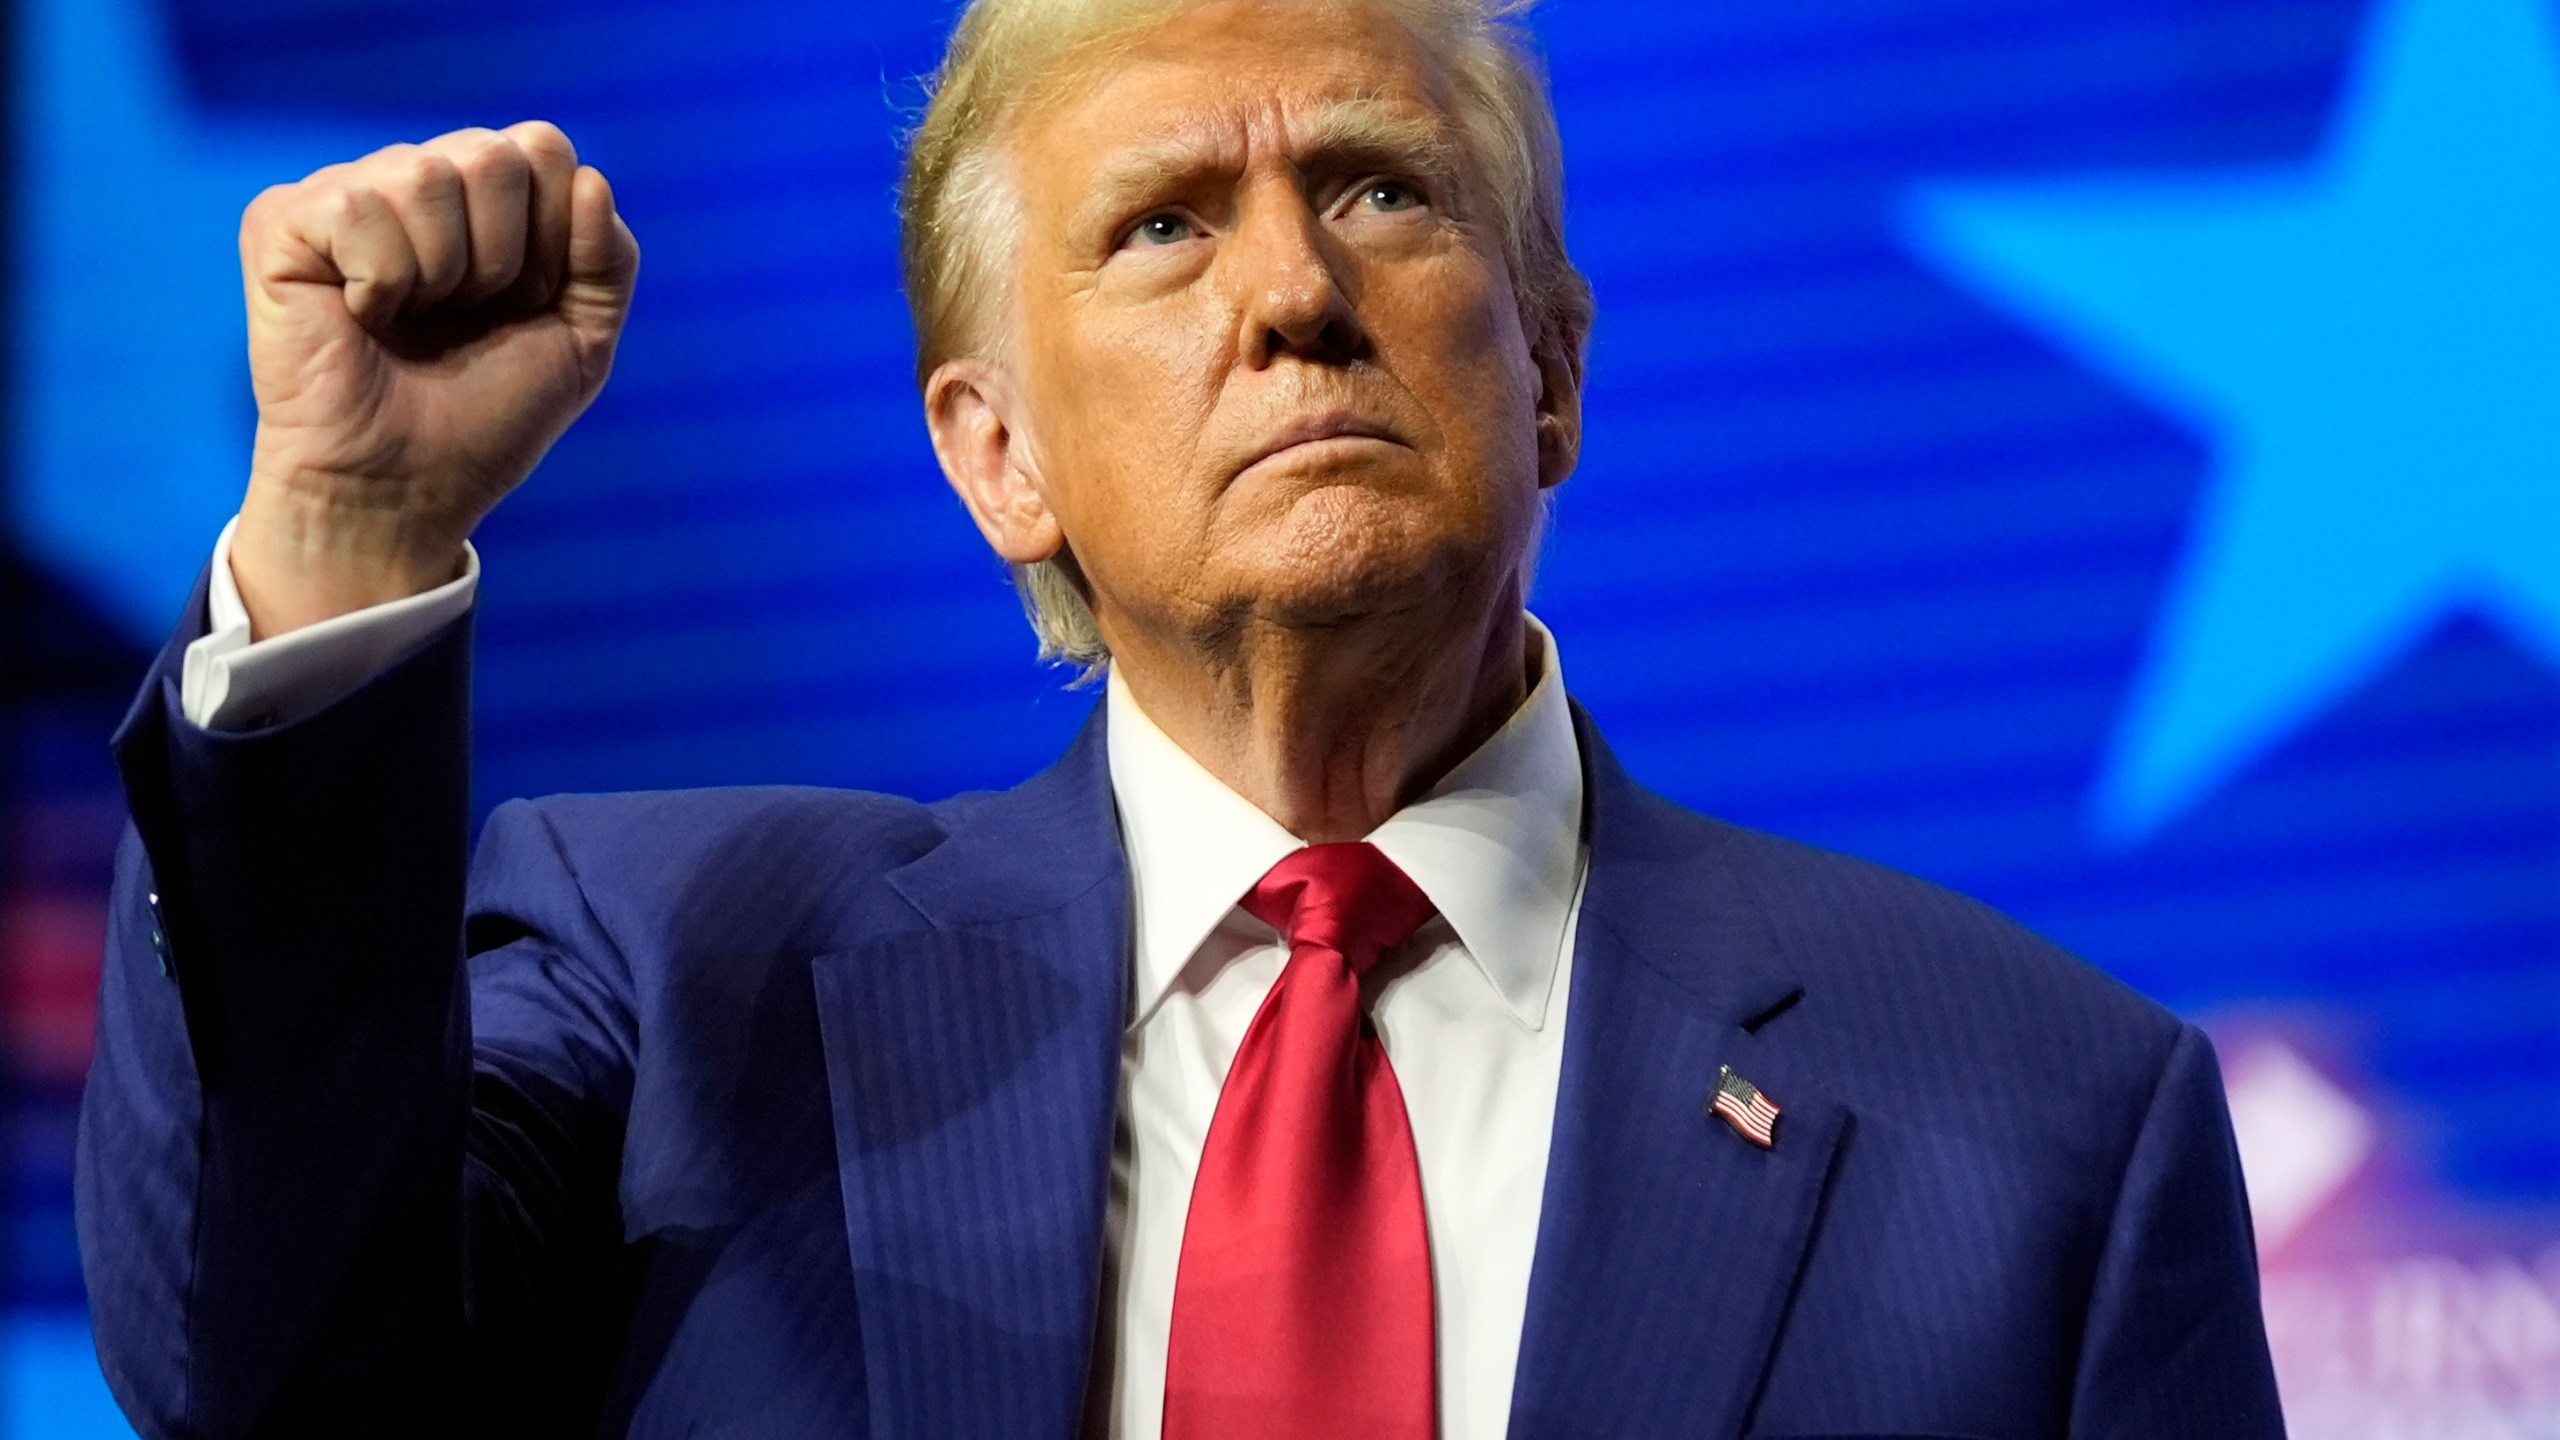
column 1348, row 552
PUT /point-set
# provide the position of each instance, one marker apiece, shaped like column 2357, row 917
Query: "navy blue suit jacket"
column 777, row 1113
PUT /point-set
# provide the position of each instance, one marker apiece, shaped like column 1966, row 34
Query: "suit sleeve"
column 307, row 1204
column 232, row 682
column 2175, row 1343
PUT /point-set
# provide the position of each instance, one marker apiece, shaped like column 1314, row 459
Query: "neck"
column 1331, row 730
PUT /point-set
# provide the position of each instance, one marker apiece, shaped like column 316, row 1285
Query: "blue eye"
column 1162, row 228
column 1390, row 195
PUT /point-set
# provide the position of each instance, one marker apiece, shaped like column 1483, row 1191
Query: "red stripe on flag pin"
column 1752, row 1115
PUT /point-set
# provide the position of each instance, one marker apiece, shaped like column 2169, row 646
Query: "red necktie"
column 1302, row 1306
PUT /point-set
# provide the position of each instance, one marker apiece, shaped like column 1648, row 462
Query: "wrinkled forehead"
column 1224, row 85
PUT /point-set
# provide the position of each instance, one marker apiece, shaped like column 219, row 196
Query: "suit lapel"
column 973, row 1064
column 1668, row 1248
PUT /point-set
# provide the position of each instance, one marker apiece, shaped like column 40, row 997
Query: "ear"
column 974, row 414
column 1559, row 359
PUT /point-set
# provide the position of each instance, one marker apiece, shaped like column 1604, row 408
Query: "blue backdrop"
column 2103, row 455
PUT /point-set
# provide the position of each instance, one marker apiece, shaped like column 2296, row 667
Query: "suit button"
column 159, row 931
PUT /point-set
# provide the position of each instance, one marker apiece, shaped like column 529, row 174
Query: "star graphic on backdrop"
column 2371, row 344
column 133, row 415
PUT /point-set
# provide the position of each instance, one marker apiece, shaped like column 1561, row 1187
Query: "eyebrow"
column 1371, row 131
column 1343, row 134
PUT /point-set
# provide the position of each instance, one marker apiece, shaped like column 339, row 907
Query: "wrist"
column 301, row 554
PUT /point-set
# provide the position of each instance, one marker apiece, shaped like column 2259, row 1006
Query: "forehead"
column 1222, row 79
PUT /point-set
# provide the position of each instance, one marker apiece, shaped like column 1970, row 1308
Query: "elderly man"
column 1335, row 1043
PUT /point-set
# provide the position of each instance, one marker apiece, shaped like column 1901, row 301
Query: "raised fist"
column 423, row 324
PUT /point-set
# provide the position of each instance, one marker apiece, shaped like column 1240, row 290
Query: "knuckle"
column 487, row 155
column 261, row 213
column 337, row 206
column 426, row 174
column 358, row 202
column 462, row 140
column 544, row 143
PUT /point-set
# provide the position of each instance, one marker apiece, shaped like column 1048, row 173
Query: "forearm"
column 271, row 1173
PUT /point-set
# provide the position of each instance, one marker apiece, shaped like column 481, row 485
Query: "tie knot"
column 1349, row 898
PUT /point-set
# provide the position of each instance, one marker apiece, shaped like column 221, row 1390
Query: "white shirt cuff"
column 233, row 683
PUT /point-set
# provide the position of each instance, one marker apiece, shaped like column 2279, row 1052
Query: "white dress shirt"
column 229, row 682
column 1475, row 1029
column 1474, row 1025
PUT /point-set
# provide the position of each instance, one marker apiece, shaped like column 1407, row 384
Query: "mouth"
column 1321, row 429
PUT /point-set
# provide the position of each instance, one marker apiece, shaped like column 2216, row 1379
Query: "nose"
column 1294, row 292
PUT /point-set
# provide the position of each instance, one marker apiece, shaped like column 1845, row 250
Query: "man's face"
column 1269, row 361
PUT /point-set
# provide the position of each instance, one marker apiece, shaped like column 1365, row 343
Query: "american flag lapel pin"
column 1752, row 1115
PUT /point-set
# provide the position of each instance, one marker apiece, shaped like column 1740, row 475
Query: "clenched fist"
column 423, row 324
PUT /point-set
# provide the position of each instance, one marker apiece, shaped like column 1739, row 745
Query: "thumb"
column 604, row 261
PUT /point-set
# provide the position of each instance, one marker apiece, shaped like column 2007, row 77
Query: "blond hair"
column 959, row 217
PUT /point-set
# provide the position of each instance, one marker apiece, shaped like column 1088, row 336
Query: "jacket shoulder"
column 749, row 868
column 1912, row 999
column 1895, row 943
column 1974, row 1051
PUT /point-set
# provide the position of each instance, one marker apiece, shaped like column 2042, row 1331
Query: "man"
column 1335, row 1043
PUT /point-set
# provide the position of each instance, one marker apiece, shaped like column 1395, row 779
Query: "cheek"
column 1493, row 329
column 1121, row 415
column 1469, row 363
column 1142, row 374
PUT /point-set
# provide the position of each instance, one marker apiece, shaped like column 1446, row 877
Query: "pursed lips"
column 1315, row 429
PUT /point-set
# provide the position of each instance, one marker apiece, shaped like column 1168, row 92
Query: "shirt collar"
column 1496, row 845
